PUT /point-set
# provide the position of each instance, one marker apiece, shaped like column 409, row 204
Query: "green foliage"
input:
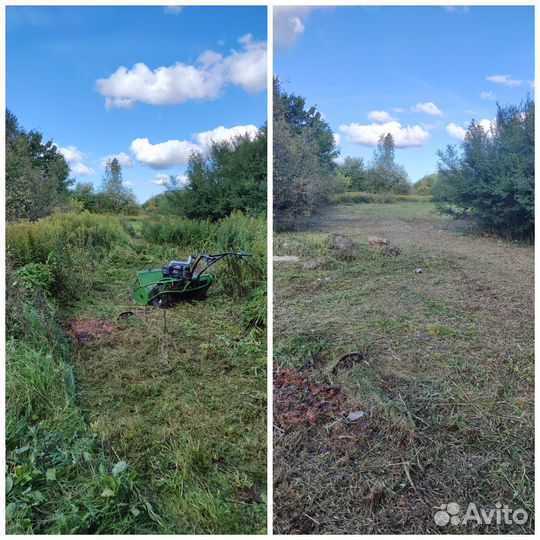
column 354, row 169
column 114, row 197
column 242, row 233
column 384, row 174
column 61, row 234
column 35, row 276
column 426, row 184
column 491, row 180
column 59, row 478
column 37, row 175
column 83, row 193
column 177, row 230
column 304, row 154
column 384, row 198
column 230, row 176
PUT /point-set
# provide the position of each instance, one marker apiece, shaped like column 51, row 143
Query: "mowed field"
column 437, row 365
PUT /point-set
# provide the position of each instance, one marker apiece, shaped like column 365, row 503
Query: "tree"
column 384, row 174
column 231, row 175
column 426, row 184
column 114, row 196
column 304, row 158
column 37, row 175
column 490, row 179
column 84, row 194
column 354, row 169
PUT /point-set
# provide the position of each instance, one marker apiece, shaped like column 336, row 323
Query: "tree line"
column 231, row 175
column 488, row 179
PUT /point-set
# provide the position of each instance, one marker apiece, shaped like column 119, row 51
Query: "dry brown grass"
column 444, row 373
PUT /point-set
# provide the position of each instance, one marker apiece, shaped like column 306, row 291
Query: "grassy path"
column 186, row 409
column 443, row 374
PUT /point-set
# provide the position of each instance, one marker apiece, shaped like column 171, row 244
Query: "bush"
column 304, row 154
column 491, row 180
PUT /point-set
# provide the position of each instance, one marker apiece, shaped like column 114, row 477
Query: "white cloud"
column 368, row 135
column 289, row 24
column 176, row 152
column 128, row 183
column 459, row 132
column 162, row 155
column 399, row 109
column 221, row 133
column 173, row 10
column 488, row 125
column 247, row 68
column 161, row 180
column 456, row 131
column 205, row 80
column 379, row 117
column 531, row 83
column 429, row 108
column 337, row 139
column 490, row 96
column 504, row 80
column 122, row 158
column 75, row 159
column 457, row 9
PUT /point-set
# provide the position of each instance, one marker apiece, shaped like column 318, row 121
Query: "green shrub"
column 35, row 276
column 490, row 179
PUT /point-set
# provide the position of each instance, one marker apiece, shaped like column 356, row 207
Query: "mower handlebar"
column 212, row 259
column 238, row 254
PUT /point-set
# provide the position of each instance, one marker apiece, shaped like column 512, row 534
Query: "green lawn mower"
column 179, row 281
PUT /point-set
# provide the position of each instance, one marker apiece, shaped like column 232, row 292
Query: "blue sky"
column 420, row 72
column 146, row 83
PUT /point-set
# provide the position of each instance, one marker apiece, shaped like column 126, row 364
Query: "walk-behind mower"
column 178, row 281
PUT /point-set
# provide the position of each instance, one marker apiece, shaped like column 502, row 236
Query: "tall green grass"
column 62, row 233
column 58, row 478
column 181, row 231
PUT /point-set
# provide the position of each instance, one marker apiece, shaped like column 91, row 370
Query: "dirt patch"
column 298, row 400
column 86, row 329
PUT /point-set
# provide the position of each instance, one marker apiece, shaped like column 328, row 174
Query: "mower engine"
column 178, row 269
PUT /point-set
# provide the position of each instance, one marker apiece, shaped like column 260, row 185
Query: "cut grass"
column 444, row 373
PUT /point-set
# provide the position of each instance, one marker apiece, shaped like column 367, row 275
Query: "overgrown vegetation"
column 491, row 180
column 96, row 444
